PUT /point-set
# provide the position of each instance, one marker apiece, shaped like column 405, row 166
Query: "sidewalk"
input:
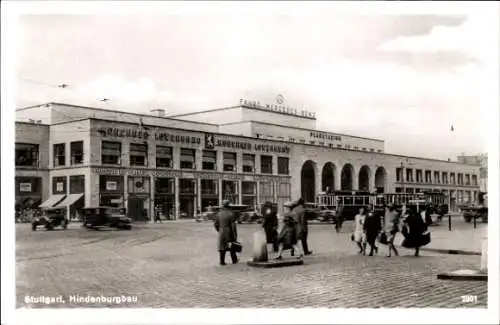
column 463, row 241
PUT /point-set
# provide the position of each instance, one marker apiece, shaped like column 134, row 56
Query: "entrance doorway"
column 138, row 208
column 186, row 207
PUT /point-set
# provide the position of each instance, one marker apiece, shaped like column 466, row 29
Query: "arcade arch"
column 328, row 177
column 380, row 180
column 364, row 179
column 307, row 181
column 346, row 178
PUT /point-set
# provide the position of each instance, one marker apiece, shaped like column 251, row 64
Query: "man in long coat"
column 302, row 225
column 270, row 225
column 225, row 224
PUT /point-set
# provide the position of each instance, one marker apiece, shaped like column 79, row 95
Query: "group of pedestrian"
column 370, row 226
column 294, row 229
column 285, row 236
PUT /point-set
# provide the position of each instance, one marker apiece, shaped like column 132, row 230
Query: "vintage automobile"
column 250, row 216
column 102, row 216
column 311, row 211
column 477, row 211
column 209, row 214
column 51, row 218
column 327, row 214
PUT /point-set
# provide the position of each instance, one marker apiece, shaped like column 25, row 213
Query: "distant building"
column 482, row 161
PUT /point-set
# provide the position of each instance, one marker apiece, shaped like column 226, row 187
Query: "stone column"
column 220, row 191
column 177, row 201
column 125, row 192
column 372, row 179
column 240, row 189
column 337, row 178
column 355, row 178
column 152, row 187
column 317, row 181
column 257, row 193
column 198, row 194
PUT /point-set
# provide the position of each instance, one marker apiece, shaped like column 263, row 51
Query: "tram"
column 352, row 201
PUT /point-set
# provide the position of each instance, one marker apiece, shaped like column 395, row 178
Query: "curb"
column 449, row 251
column 274, row 264
column 463, row 275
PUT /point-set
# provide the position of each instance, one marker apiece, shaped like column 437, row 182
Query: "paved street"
column 176, row 265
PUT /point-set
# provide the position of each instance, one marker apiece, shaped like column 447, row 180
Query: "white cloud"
column 473, row 37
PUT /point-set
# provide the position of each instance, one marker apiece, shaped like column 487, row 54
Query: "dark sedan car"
column 97, row 217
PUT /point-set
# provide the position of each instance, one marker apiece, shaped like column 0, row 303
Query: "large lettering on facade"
column 248, row 146
column 185, row 174
column 326, row 136
column 136, row 133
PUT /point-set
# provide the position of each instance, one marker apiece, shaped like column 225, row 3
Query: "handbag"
column 425, row 238
column 352, row 237
column 405, row 231
column 236, row 247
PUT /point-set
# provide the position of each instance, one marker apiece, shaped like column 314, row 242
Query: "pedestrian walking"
column 415, row 231
column 302, row 225
column 339, row 218
column 391, row 228
column 225, row 224
column 287, row 238
column 359, row 236
column 372, row 228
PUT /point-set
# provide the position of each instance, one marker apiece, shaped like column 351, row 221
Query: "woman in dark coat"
column 225, row 224
column 372, row 228
column 414, row 232
column 288, row 236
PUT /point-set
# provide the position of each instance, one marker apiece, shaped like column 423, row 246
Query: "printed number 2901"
column 468, row 299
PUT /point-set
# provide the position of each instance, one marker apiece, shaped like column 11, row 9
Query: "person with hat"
column 225, row 224
column 391, row 228
column 270, row 225
column 287, row 237
column 302, row 225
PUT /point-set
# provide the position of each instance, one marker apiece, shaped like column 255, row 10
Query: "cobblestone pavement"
column 175, row 265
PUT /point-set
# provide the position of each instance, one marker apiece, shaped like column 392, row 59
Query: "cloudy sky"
column 402, row 78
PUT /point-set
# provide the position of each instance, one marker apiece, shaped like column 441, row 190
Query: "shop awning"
column 52, row 200
column 69, row 200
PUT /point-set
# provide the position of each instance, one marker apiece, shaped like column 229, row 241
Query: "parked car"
column 207, row 215
column 474, row 211
column 50, row 219
column 98, row 217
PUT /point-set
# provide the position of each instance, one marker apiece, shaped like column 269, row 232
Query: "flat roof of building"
column 113, row 111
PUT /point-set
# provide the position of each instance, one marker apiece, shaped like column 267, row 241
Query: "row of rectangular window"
column 419, row 179
column 111, row 155
column 165, row 186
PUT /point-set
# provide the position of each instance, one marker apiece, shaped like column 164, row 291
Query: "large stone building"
column 482, row 161
column 76, row 156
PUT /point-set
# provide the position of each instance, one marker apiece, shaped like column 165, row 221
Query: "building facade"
column 154, row 164
column 482, row 161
